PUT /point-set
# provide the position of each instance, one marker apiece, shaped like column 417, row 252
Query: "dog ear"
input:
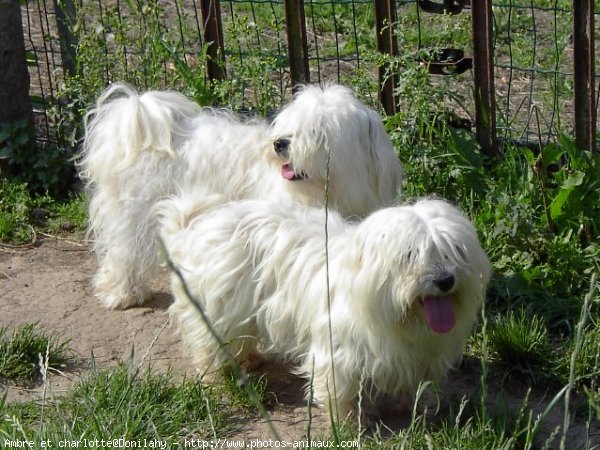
column 386, row 170
column 373, row 280
column 368, row 261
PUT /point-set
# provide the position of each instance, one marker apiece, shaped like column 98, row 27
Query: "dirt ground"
column 49, row 283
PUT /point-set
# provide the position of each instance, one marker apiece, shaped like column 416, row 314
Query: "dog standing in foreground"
column 139, row 149
column 405, row 288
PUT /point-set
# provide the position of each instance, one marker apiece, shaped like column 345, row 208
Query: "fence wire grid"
column 161, row 44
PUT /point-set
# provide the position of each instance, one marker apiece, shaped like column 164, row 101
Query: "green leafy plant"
column 255, row 75
column 67, row 215
column 15, row 203
column 14, row 137
column 44, row 168
column 21, row 213
column 574, row 188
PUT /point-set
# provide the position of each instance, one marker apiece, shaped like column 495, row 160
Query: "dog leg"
column 340, row 398
column 124, row 241
column 118, row 288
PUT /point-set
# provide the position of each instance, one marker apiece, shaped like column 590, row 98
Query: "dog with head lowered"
column 367, row 310
column 139, row 148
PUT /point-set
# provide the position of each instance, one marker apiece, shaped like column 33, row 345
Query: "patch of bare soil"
column 50, row 283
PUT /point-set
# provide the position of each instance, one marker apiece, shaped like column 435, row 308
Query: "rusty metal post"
column 584, row 71
column 213, row 37
column 385, row 18
column 297, row 42
column 483, row 73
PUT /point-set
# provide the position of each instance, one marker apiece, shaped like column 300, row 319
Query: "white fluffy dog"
column 139, row 148
column 405, row 287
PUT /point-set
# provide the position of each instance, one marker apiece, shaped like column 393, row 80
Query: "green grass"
column 14, row 212
column 519, row 342
column 22, row 213
column 245, row 395
column 28, row 348
column 121, row 403
column 68, row 215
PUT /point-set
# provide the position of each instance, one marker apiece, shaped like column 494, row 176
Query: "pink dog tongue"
column 439, row 314
column 287, row 172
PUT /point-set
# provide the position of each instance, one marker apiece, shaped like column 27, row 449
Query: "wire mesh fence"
column 158, row 44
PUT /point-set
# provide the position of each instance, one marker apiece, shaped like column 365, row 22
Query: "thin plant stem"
column 585, row 310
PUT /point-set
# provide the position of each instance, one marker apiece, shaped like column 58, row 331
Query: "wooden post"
column 385, row 18
column 297, row 42
column 483, row 71
column 584, row 71
column 65, row 20
column 213, row 37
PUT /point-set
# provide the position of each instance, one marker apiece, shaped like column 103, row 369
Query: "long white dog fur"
column 405, row 288
column 139, row 148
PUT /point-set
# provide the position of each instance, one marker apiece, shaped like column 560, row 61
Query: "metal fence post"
column 385, row 18
column 297, row 42
column 583, row 72
column 213, row 37
column 483, row 72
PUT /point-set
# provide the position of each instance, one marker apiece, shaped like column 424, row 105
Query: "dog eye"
column 281, row 145
column 461, row 253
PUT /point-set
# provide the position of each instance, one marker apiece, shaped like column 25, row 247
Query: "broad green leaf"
column 551, row 154
column 558, row 202
column 573, row 180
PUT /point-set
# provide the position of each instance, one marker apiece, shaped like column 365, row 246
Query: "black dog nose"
column 281, row 146
column 445, row 282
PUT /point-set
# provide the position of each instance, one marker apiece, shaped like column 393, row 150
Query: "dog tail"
column 123, row 124
column 177, row 212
